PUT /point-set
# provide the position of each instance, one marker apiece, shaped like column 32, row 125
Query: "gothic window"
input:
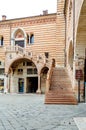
column 28, row 40
column 19, row 43
column 1, row 40
column 32, row 38
column 19, row 38
column 19, row 34
column 46, row 54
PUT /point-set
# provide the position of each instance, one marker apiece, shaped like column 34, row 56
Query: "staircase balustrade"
column 49, row 75
column 70, row 73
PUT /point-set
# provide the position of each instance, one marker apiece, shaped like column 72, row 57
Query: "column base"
column 38, row 91
column 5, row 91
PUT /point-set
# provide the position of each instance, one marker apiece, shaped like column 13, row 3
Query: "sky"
column 24, row 8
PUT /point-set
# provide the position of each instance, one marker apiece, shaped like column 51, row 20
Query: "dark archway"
column 24, row 76
column 44, row 72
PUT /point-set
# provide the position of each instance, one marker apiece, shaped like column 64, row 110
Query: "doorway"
column 44, row 72
column 32, row 84
column 21, row 85
column 20, row 43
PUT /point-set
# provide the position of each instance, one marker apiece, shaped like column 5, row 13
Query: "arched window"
column 32, row 38
column 19, row 38
column 28, row 40
column 1, row 40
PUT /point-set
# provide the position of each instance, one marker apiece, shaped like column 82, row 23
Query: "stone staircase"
column 60, row 91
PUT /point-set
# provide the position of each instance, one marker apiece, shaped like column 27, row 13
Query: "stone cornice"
column 35, row 20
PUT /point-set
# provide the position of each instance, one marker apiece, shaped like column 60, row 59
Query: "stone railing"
column 10, row 48
column 40, row 58
column 49, row 75
column 19, row 50
column 15, row 49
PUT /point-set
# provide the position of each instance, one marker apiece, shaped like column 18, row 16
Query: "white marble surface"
column 80, row 122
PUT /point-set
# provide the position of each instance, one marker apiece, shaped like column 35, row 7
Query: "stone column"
column 11, row 82
column 6, row 83
column 39, row 86
column 25, row 84
column 12, row 41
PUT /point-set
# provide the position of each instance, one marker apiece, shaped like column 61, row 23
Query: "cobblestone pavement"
column 28, row 112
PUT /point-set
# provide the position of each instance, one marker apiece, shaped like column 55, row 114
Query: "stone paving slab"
column 28, row 112
column 80, row 122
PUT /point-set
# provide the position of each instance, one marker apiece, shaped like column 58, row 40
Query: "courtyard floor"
column 28, row 112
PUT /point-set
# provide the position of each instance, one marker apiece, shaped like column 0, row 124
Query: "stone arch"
column 18, row 33
column 44, row 72
column 17, row 59
column 80, row 45
column 23, row 75
column 81, row 32
column 70, row 55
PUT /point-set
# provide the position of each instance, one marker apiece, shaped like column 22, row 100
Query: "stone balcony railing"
column 30, row 54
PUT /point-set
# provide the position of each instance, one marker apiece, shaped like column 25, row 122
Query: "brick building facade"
column 31, row 48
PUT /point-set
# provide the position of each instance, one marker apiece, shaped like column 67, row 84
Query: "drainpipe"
column 74, row 44
column 65, row 34
column 39, row 86
column 65, row 41
column 74, row 29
